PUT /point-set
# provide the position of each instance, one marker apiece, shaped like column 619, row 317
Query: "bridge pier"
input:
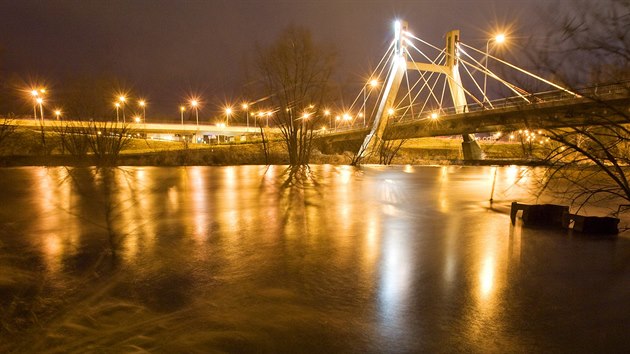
column 471, row 148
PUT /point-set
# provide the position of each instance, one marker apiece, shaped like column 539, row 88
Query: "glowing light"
column 142, row 103
column 122, row 99
column 245, row 105
column 499, row 38
column 346, row 117
column 57, row 112
column 391, row 111
column 34, row 93
column 327, row 112
column 194, row 103
column 117, row 105
column 373, row 82
column 182, row 108
column 306, row 115
column 434, row 115
column 40, row 100
column 228, row 110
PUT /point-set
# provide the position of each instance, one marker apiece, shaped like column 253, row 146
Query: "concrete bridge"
column 165, row 131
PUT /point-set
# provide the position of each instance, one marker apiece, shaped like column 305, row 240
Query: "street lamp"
column 372, row 83
column 122, row 100
column 181, row 112
column 228, row 112
column 117, row 104
column 143, row 104
column 35, row 95
column 246, row 109
column 40, row 102
column 194, row 103
column 327, row 114
column 268, row 114
column 57, row 113
column 498, row 39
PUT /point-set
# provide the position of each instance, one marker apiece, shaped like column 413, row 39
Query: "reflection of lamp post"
column 499, row 38
column 194, row 103
column 181, row 112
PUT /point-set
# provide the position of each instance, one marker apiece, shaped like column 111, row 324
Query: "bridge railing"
column 592, row 92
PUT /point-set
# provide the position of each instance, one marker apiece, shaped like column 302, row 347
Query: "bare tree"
column 294, row 72
column 591, row 161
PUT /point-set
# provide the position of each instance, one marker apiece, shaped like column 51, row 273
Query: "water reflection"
column 371, row 260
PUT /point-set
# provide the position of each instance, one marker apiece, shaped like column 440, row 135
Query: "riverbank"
column 27, row 148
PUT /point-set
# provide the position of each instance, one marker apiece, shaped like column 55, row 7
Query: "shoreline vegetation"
column 27, row 148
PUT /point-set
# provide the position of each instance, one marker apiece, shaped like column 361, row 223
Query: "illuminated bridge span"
column 165, row 131
column 594, row 106
column 420, row 90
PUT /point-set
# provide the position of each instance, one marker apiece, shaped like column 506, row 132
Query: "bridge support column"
column 471, row 148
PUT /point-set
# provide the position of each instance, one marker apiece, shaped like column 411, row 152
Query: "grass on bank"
column 25, row 146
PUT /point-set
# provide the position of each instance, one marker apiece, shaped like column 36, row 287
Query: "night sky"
column 168, row 49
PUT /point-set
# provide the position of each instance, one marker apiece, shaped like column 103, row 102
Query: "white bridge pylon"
column 425, row 95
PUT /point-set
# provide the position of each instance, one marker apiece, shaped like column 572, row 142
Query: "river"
column 226, row 259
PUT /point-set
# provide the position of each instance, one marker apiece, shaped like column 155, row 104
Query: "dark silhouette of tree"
column 90, row 97
column 591, row 45
column 294, row 72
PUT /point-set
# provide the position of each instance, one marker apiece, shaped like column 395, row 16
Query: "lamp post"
column 373, row 83
column 57, row 113
column 228, row 113
column 268, row 114
column 117, row 104
column 40, row 102
column 194, row 103
column 246, row 109
column 499, row 38
column 122, row 100
column 35, row 95
column 143, row 104
column 181, row 113
column 327, row 114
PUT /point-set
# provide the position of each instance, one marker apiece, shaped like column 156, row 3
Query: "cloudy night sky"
column 167, row 49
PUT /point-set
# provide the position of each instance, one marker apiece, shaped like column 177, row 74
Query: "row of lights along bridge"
column 195, row 103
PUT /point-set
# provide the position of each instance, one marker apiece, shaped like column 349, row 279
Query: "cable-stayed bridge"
column 421, row 90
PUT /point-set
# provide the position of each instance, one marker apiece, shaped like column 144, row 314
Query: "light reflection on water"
column 376, row 259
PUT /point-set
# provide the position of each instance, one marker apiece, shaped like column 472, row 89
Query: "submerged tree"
column 592, row 48
column 294, row 72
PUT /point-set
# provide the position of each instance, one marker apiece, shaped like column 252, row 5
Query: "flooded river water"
column 225, row 259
